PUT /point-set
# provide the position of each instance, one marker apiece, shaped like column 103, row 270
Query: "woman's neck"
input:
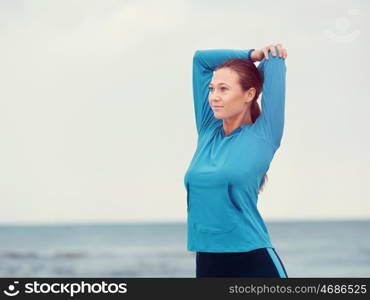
column 231, row 124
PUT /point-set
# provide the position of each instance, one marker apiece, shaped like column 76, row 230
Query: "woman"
column 236, row 143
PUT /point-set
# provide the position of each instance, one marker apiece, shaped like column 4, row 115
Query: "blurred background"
column 97, row 131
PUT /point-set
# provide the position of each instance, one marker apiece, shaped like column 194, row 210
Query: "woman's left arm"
column 272, row 68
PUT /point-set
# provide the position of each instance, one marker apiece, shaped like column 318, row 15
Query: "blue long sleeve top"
column 226, row 172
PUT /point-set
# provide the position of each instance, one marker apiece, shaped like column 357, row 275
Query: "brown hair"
column 249, row 76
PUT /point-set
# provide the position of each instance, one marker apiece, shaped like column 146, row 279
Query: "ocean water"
column 307, row 249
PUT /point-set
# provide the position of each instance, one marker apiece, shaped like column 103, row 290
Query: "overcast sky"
column 96, row 109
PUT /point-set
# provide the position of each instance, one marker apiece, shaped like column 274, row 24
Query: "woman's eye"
column 222, row 88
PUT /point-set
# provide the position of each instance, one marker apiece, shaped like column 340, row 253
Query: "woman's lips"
column 217, row 107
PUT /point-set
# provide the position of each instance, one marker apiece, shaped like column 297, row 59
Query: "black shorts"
column 263, row 262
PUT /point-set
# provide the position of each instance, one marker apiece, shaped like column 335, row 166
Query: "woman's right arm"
column 204, row 63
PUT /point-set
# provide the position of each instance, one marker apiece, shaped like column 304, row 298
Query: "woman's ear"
column 249, row 95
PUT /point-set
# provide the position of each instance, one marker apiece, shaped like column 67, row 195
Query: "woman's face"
column 226, row 92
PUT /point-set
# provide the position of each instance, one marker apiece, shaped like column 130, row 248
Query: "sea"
column 152, row 250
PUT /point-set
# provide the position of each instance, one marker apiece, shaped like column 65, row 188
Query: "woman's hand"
column 259, row 54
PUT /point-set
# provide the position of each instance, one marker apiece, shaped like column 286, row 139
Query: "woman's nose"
column 215, row 97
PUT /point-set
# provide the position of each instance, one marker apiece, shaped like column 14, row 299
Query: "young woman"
column 236, row 143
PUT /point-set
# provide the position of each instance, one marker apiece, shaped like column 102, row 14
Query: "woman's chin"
column 217, row 115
